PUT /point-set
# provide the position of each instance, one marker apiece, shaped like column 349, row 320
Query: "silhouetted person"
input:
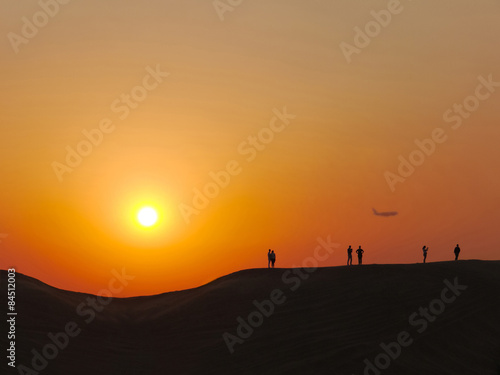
column 424, row 249
column 349, row 256
column 269, row 259
column 273, row 258
column 360, row 252
column 457, row 251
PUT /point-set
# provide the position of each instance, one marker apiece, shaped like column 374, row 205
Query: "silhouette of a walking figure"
column 457, row 251
column 360, row 252
column 424, row 249
column 269, row 259
column 349, row 256
column 273, row 258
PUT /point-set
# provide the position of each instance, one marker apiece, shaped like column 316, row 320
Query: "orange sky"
column 200, row 84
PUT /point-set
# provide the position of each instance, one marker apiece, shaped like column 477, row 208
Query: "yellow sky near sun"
column 320, row 176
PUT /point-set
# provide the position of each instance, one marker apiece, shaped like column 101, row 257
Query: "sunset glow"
column 181, row 142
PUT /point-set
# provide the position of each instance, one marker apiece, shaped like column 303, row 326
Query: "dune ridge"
column 329, row 321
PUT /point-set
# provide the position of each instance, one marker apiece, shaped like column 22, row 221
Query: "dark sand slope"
column 330, row 324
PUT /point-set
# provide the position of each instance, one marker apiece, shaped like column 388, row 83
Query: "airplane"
column 389, row 213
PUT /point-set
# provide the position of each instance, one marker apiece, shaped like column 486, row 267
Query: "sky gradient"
column 176, row 88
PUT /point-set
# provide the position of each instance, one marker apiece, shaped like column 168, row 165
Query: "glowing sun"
column 147, row 216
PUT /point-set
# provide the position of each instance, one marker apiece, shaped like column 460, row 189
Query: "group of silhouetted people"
column 271, row 258
column 359, row 251
column 456, row 251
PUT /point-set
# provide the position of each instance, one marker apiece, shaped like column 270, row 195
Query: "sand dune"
column 332, row 322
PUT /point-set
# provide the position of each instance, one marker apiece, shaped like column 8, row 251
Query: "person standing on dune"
column 349, row 256
column 273, row 258
column 360, row 252
column 457, row 251
column 269, row 259
column 424, row 249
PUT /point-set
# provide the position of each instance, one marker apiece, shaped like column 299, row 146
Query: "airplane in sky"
column 388, row 213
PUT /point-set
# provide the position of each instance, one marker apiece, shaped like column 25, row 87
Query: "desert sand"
column 333, row 322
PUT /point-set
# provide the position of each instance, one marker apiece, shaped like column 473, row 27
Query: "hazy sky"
column 335, row 94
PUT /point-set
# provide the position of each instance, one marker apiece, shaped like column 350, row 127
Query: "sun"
column 147, row 216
